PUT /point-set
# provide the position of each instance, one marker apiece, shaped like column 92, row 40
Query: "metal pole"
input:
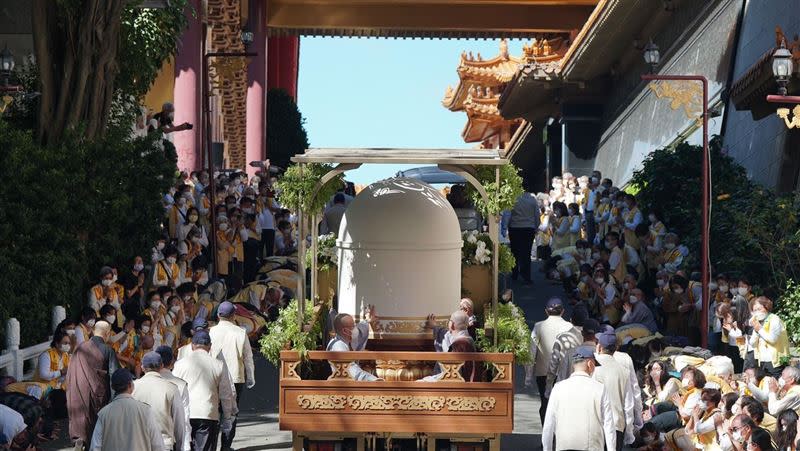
column 495, row 221
column 705, row 259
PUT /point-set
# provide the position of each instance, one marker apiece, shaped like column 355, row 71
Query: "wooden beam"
column 431, row 17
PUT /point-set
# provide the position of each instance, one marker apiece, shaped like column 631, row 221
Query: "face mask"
column 90, row 323
column 669, row 246
column 626, row 285
column 702, row 405
column 712, row 286
column 652, row 218
column 160, row 245
column 195, row 239
column 171, row 116
column 599, row 280
column 609, row 245
column 175, row 309
column 781, row 383
column 723, row 288
column 736, row 409
column 584, row 279
column 155, row 305
column 678, row 291
column 223, row 226
column 743, row 291
column 634, row 299
column 106, row 282
column 661, row 283
column 138, row 267
column 114, row 279
column 686, row 382
column 734, row 290
column 737, row 436
column 248, row 210
column 110, row 319
column 145, row 329
column 760, row 316
column 70, row 332
column 171, row 260
column 192, row 218
column 65, row 348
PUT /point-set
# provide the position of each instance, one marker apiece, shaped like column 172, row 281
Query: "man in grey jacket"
column 521, row 232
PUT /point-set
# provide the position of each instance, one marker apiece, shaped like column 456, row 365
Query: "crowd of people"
column 157, row 343
column 628, row 363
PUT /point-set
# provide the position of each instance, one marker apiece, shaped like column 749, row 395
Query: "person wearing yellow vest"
column 166, row 272
column 606, row 297
column 617, row 259
column 574, row 224
column 705, row 419
column 126, row 347
column 744, row 289
column 632, row 218
column 177, row 213
column 785, row 392
column 769, row 340
column 671, row 257
column 601, row 215
column 674, row 413
column 104, row 292
column 560, row 226
column 53, row 363
column 83, row 332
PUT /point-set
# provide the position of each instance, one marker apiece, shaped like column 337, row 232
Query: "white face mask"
column 70, row 332
column 678, row 291
column 106, row 282
column 155, row 305
column 743, row 291
column 145, row 329
column 160, row 245
column 175, row 309
column 223, row 226
column 90, row 323
column 723, row 288
column 110, row 319
column 686, row 382
column 669, row 246
column 712, row 286
column 661, row 282
column 600, row 280
column 65, row 348
column 171, row 260
column 737, row 436
column 781, row 383
column 584, row 279
column 634, row 299
column 702, row 405
column 138, row 267
column 195, row 239
column 760, row 316
column 734, row 290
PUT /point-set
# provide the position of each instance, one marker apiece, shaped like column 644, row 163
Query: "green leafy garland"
column 470, row 256
column 513, row 334
column 327, row 258
column 501, row 197
column 286, row 333
column 296, row 190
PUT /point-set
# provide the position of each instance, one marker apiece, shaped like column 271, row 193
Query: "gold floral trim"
column 400, row 403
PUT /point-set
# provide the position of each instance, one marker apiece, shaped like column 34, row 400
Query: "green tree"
column 286, row 134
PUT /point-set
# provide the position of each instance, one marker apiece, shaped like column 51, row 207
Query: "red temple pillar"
column 282, row 65
column 187, row 92
column 256, row 139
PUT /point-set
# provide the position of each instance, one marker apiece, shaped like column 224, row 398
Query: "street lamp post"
column 653, row 57
column 782, row 70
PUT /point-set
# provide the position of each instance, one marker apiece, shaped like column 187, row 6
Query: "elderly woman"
column 659, row 386
column 678, row 410
column 769, row 340
column 53, row 363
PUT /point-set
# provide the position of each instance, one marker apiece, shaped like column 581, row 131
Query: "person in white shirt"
column 579, row 404
column 213, row 406
column 168, row 361
column 352, row 337
column 164, row 400
column 616, row 379
column 543, row 338
column 126, row 423
column 230, row 341
column 785, row 393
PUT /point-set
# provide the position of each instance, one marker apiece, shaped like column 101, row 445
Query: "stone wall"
column 647, row 122
column 759, row 145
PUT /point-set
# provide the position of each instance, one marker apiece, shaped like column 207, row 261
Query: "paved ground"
column 258, row 420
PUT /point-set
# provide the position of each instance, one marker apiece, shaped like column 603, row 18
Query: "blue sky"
column 383, row 93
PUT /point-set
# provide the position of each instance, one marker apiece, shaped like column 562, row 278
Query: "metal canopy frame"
column 457, row 161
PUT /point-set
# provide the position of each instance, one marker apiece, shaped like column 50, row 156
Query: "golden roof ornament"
column 504, row 49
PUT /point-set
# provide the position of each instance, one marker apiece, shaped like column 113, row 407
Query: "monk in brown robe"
column 88, row 383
